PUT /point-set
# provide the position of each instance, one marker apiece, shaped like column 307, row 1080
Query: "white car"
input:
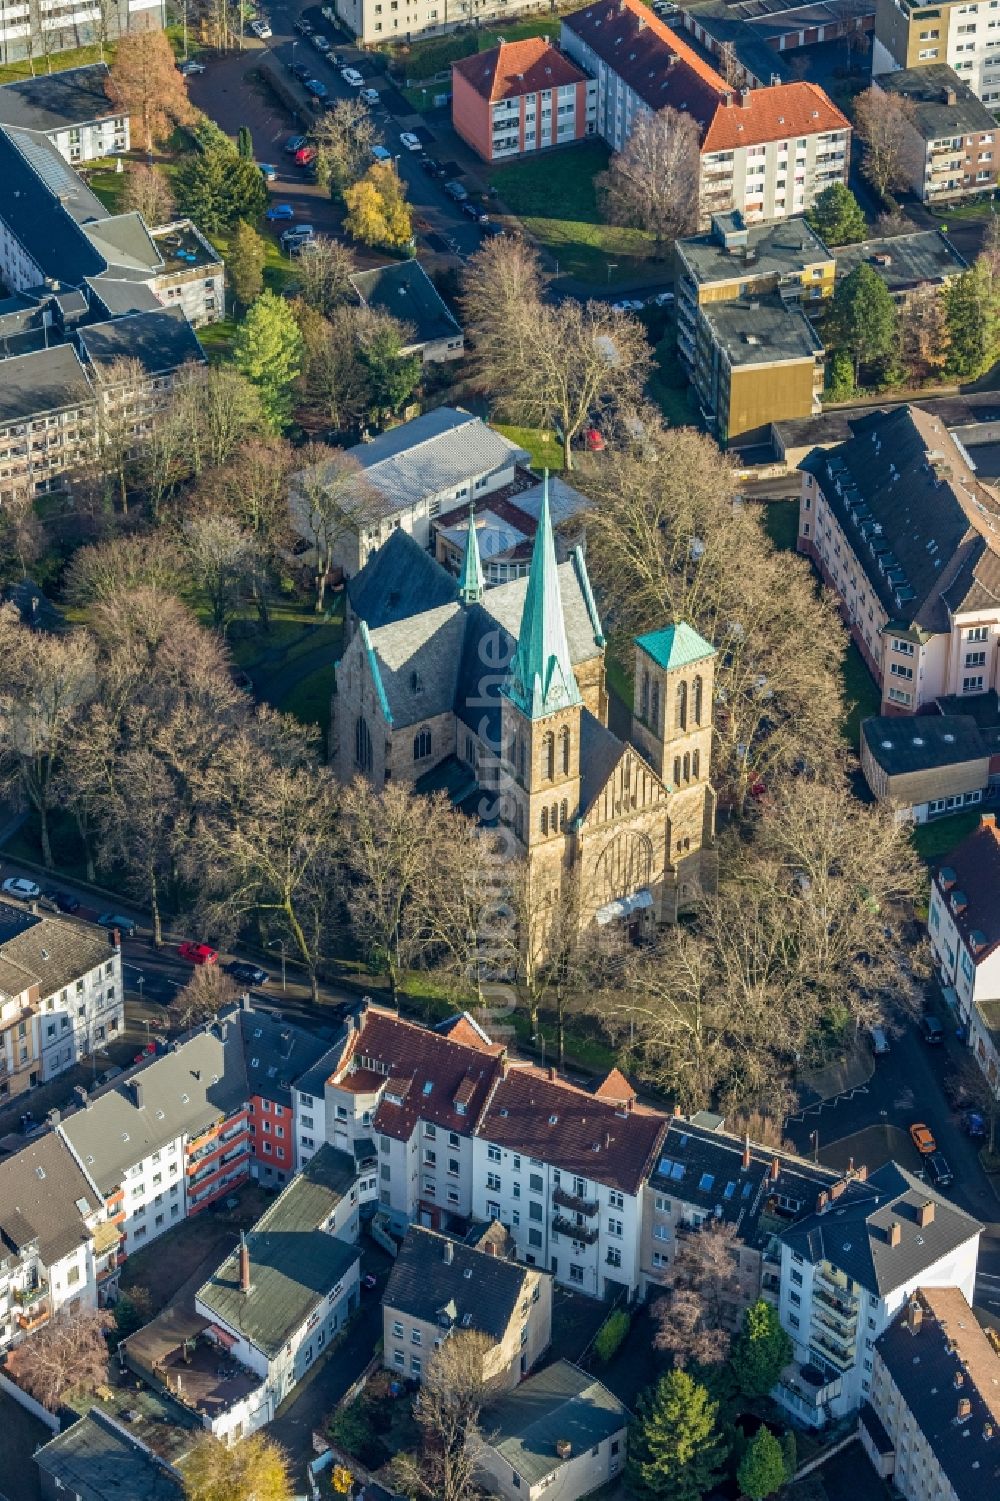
column 18, row 886
column 370, row 96
column 261, row 29
column 662, row 299
column 352, row 76
column 627, row 305
column 410, row 141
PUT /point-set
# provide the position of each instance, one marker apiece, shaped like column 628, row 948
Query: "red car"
column 197, row 953
column 304, row 156
column 594, row 441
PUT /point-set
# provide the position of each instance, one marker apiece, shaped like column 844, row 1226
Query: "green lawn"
column 861, row 692
column 544, row 447
column 668, row 385
column 556, row 200
column 423, row 101
column 291, row 665
column 57, row 62
column 932, row 840
column 781, row 522
column 422, row 60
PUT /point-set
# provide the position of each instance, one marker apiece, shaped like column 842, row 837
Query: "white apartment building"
column 963, row 924
column 375, row 21
column 848, row 1268
column 917, row 588
column 53, row 26
column 72, row 109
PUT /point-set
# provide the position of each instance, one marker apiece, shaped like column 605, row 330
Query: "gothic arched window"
column 682, row 706
column 654, row 715
column 545, row 820
column 564, row 749
column 362, row 746
column 554, row 817
column 677, row 771
column 697, row 700
column 563, row 813
column 421, row 744
column 687, row 767
column 696, row 764
column 549, row 755
column 520, row 756
column 644, row 696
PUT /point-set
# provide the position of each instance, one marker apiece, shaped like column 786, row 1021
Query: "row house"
column 767, row 153
column 963, row 923
column 372, row 22
column 71, row 109
column 54, row 1237
column 61, row 996
column 903, row 530
column 846, row 1271
column 519, row 98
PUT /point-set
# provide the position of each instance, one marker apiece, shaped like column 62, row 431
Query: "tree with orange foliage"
column 144, row 83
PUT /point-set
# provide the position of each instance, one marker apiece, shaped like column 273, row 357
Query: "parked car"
column 197, row 953
column 190, row 67
column 457, row 191
column 380, row 154
column 304, row 156
column 316, row 88
column 938, row 1170
column 628, row 305
column 932, row 1029
column 301, row 71
column 279, row 211
column 353, row 77
column 20, row 887
column 296, row 237
column 922, row 1139
column 63, row 901
column 410, row 141
column 661, row 299
column 268, row 172
column 302, row 26
column 880, row 1043
column 293, row 143
column 593, row 440
column 247, row 974
column 370, row 96
column 320, row 42
column 261, row 29
column 474, row 212
column 125, row 925
column 491, row 227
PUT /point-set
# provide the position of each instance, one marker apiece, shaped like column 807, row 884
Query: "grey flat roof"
column 404, row 290
column 928, row 256
column 934, row 116
column 770, row 250
column 902, row 743
column 761, row 330
column 53, row 101
column 97, row 1461
column 161, row 341
column 45, row 380
column 293, row 1264
column 561, row 1402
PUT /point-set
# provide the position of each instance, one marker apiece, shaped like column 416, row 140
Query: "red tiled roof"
column 463, row 1029
column 432, row 1074
column 653, row 60
column 975, row 864
column 616, row 1089
column 575, row 1131
column 772, row 114
column 516, row 68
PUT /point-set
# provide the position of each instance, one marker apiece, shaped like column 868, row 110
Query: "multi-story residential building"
column 415, row 472
column 932, row 766
column 54, row 1242
column 61, row 996
column 767, row 152
column 439, row 1286
column 963, row 923
column 519, row 98
column 950, row 136
column 736, row 259
column 173, row 1136
column 39, row 32
column 963, row 35
column 904, row 531
column 846, row 1271
column 72, row 109
column 749, row 42
column 931, row 1427
column 375, row 21
column 563, row 1170
column 277, row 1054
column 192, row 275
column 405, row 291
column 284, row 1293
column 906, row 263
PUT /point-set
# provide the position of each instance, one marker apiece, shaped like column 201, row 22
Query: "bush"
column 611, row 1334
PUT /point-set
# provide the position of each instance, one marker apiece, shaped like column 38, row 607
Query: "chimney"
column 745, row 98
column 987, row 820
column 727, row 100
column 850, row 1167
column 914, row 1315
column 950, row 96
column 964, row 1409
column 82, row 1098
column 116, row 938
column 822, row 1201
column 244, row 1264
column 448, row 1252
column 53, row 1118
column 862, row 1173
column 553, row 1072
column 746, row 1153
column 925, row 1214
column 775, row 1169
column 677, row 1112
column 136, row 1088
column 987, row 1431
column 895, row 1233
column 838, row 1188
column 959, row 1378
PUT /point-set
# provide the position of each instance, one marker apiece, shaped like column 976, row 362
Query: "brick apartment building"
column 521, row 97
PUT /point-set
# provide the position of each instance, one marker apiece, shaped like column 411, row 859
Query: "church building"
column 498, row 698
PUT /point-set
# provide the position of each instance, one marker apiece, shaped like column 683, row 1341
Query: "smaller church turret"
column 471, row 585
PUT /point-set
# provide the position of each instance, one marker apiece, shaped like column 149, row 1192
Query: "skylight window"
column 705, row 1182
column 730, row 1189
column 428, row 1086
column 747, row 1191
column 677, row 1171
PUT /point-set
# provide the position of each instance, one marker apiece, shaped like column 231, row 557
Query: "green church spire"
column 540, row 679
column 471, row 586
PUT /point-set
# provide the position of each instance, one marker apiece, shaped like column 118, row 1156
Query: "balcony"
column 840, row 1311
column 578, row 1205
column 831, row 1352
column 842, row 1290
column 563, row 1226
column 34, row 1317
column 26, row 1296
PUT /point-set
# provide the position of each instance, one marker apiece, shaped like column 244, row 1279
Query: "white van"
column 880, row 1043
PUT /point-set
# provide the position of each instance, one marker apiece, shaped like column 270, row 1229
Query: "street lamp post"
column 612, row 266
column 279, row 943
column 140, row 981
column 814, row 1138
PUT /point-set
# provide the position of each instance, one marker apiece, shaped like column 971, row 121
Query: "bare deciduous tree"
column 883, row 121
column 209, row 991
column 222, row 558
column 692, row 1319
column 343, row 137
column 147, row 192
column 652, row 183
column 452, row 1393
column 69, row 1355
column 106, row 570
column 331, row 499
column 323, row 277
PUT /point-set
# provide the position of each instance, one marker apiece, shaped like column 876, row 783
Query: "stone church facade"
column 498, row 698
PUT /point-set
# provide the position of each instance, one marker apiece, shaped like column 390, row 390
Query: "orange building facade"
column 520, row 98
